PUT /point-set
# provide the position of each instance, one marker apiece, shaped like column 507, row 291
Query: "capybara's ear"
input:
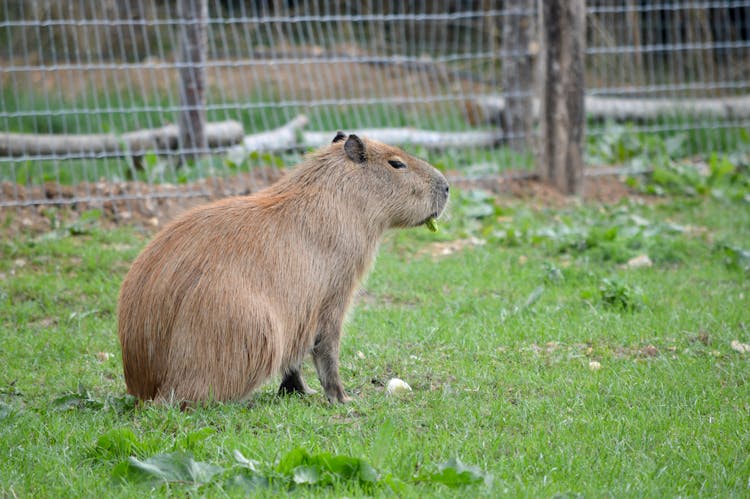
column 339, row 136
column 355, row 149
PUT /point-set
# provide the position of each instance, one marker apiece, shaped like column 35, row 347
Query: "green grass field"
column 540, row 360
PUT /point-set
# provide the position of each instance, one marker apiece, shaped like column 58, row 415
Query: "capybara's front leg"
column 326, row 357
column 293, row 383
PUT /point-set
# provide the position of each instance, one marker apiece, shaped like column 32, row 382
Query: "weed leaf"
column 116, row 443
column 533, row 297
column 5, row 410
column 345, row 467
column 734, row 257
column 245, row 481
column 292, row 459
column 350, row 467
column 81, row 399
column 176, row 467
column 454, row 473
column 618, row 294
column 120, row 405
column 250, row 464
column 306, row 475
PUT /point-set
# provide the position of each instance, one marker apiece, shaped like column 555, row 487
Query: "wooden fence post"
column 193, row 37
column 518, row 72
column 563, row 115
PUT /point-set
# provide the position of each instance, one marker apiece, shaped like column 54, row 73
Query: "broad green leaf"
column 454, row 473
column 120, row 405
column 175, row 467
column 245, row 481
column 5, row 410
column 306, row 475
column 250, row 464
column 349, row 467
column 292, row 459
column 531, row 299
column 674, row 145
column 80, row 400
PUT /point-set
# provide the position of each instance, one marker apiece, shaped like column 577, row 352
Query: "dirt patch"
column 151, row 206
column 605, row 189
column 145, row 205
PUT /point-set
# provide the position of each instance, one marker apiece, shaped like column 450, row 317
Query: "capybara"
column 241, row 289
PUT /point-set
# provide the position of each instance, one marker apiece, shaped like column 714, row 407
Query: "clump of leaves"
column 83, row 399
column 552, row 273
column 177, row 467
column 6, row 410
column 734, row 257
column 324, row 468
column 470, row 211
column 722, row 177
column 613, row 234
column 298, row 468
column 455, row 473
column 620, row 295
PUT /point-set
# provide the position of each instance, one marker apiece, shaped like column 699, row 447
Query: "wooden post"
column 563, row 114
column 518, row 74
column 193, row 36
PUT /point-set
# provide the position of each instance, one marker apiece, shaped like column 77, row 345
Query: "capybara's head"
column 399, row 189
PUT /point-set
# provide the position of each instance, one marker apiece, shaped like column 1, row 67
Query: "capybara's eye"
column 398, row 165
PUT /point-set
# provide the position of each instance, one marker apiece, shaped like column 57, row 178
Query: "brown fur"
column 236, row 291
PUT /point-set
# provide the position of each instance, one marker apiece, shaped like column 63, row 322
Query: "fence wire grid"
column 102, row 69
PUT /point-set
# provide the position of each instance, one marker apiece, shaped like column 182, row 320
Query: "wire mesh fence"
column 92, row 90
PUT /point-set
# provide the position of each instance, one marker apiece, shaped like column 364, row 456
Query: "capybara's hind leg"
column 224, row 357
column 294, row 383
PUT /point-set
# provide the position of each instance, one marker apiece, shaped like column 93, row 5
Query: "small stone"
column 397, row 386
column 639, row 261
column 594, row 365
column 740, row 347
column 103, row 356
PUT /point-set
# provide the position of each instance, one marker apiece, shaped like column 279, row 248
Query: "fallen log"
column 410, row 136
column 292, row 137
column 135, row 144
column 491, row 108
column 625, row 109
column 284, row 138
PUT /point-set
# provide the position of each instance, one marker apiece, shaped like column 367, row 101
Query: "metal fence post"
column 193, row 38
column 563, row 115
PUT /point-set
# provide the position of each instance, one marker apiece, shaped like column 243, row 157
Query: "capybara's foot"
column 337, row 395
column 293, row 383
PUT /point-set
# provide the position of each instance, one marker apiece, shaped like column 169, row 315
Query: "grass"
column 499, row 342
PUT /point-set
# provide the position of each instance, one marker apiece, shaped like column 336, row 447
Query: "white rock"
column 740, row 347
column 594, row 365
column 397, row 386
column 639, row 261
